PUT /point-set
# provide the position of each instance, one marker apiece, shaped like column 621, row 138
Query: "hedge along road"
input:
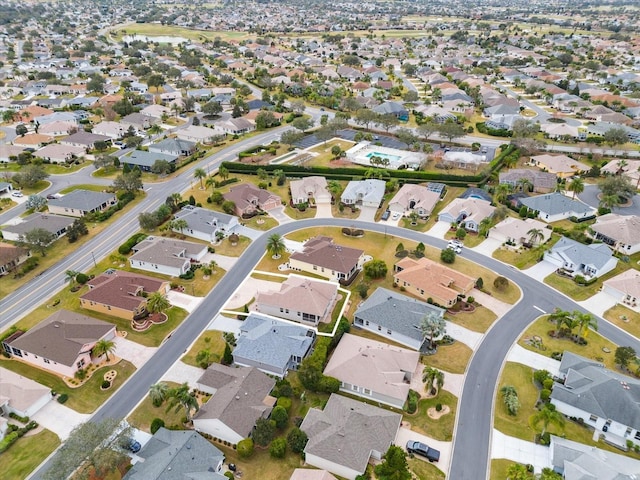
column 472, row 435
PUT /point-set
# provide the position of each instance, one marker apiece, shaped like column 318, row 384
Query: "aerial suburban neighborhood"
column 318, row 240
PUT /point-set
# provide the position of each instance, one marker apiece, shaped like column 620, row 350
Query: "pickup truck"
column 419, row 448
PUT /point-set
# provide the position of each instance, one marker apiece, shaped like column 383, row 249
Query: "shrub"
column 7, row 441
column 156, row 424
column 548, row 384
column 19, row 418
column 245, row 448
column 545, row 394
column 501, row 283
column 106, row 384
column 264, row 432
column 282, row 389
column 447, row 255
column 126, row 247
column 541, row 376
column 438, row 407
column 461, row 233
column 510, row 399
column 471, row 299
column 280, row 417
column 297, row 440
column 82, row 278
column 63, row 398
column 329, row 384
column 229, row 475
column 412, row 401
column 284, row 402
column 278, row 448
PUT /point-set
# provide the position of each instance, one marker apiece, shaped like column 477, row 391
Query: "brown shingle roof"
column 10, row 253
column 246, row 194
column 120, row 289
column 323, row 252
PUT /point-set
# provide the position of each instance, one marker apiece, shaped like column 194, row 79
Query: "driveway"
column 534, row 360
column 247, row 291
column 498, row 307
column 453, row 382
column 251, row 233
column 590, row 197
column 521, row 451
column 464, row 335
column 133, row 352
column 367, row 214
column 540, row 270
column 181, row 372
column 487, row 247
column 599, row 303
column 222, row 261
column 323, row 210
column 405, row 434
column 225, row 324
column 59, row 419
column 439, row 229
column 279, row 215
column 182, row 300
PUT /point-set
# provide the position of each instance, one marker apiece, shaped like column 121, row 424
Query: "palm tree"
column 212, row 265
column 535, row 235
column 610, row 201
column 432, row 326
column 334, row 188
column 154, row 129
column 559, row 317
column 158, row 393
column 181, row 397
column 502, row 191
column 484, row 226
column 157, row 303
column 199, row 174
column 70, row 276
column 104, row 347
column 584, row 322
column 275, row 245
column 576, row 186
column 525, row 183
column 548, row 416
column 210, row 182
column 433, row 380
column 179, row 224
column 223, row 172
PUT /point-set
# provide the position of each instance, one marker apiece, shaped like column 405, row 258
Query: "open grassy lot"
column 592, row 350
column 84, row 399
column 625, row 318
column 440, row 429
column 479, row 321
column 450, row 358
column 26, row 454
column 210, row 340
column 580, row 292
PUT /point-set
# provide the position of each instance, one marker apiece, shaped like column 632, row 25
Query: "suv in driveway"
column 423, row 450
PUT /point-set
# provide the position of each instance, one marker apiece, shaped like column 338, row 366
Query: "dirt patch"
column 435, row 415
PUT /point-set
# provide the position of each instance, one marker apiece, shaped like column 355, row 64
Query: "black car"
column 134, row 446
column 385, row 215
column 421, row 449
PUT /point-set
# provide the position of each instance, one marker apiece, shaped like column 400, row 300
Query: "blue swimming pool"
column 391, row 158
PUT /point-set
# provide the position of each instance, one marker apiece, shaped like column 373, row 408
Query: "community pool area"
column 365, row 153
column 390, row 158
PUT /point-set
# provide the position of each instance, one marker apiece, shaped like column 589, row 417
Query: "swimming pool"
column 391, row 158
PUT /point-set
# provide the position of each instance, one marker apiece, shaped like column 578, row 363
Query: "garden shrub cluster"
column 15, row 434
column 126, row 247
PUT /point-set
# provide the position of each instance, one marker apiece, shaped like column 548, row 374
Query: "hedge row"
column 12, row 437
column 271, row 149
column 126, row 247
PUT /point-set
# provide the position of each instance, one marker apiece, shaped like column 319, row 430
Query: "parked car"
column 395, row 216
column 454, row 248
column 17, row 193
column 456, row 243
column 423, row 450
column 385, row 215
column 134, row 446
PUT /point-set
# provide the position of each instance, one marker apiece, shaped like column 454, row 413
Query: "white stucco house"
column 166, row 255
column 367, row 193
column 578, row 259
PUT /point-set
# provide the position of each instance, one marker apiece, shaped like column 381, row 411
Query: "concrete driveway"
column 279, row 215
column 182, row 300
column 367, row 214
column 181, row 372
column 599, row 303
column 531, row 359
column 540, row 270
column 226, row 324
column 133, row 352
column 246, row 291
column 59, row 419
column 487, row 247
column 464, row 335
column 405, row 434
column 521, row 451
column 439, row 229
column 323, row 210
column 223, row 261
column 498, row 307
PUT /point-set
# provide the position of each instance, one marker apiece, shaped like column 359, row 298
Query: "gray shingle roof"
column 48, row 221
column 177, row 455
column 596, row 390
column 203, row 220
column 347, row 431
column 397, row 312
column 85, row 200
column 146, row 159
column 596, row 254
column 555, row 203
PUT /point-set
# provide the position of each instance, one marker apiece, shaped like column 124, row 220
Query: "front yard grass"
column 84, row 399
column 26, row 454
column 579, row 292
column 267, row 222
column 425, row 470
column 499, row 467
column 299, row 214
column 83, row 186
column 592, row 350
column 440, row 429
column 226, row 248
column 617, row 316
column 470, row 240
column 210, row 340
column 452, row 358
column 478, row 321
column 144, row 414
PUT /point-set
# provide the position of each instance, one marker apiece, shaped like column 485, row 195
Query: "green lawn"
column 83, row 186
column 499, row 468
column 579, row 292
column 424, row 470
column 440, row 429
column 26, row 454
column 84, row 399
column 226, row 248
column 625, row 318
column 210, row 340
column 479, row 321
column 450, row 358
column 520, row 377
column 524, row 257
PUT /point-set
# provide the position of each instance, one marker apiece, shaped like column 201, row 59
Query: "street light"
column 94, row 259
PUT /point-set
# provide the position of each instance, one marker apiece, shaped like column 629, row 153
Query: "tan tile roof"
column 373, row 365
column 561, row 163
column 120, row 289
column 435, row 279
column 10, row 253
column 627, row 282
column 321, row 251
column 621, row 228
column 300, row 294
column 421, row 197
column 21, row 392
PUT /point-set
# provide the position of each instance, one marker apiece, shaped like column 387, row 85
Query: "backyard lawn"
column 579, row 292
column 26, row 454
column 84, row 399
column 440, row 429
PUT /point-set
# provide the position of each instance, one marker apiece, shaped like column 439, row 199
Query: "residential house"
column 113, row 130
column 347, row 435
column 57, row 153
column 167, row 256
column 206, row 224
column 393, row 108
column 139, row 121
column 299, row 299
column 33, row 140
column 427, row 279
column 577, row 461
column 62, row 343
column 552, row 207
column 79, row 203
column 236, row 126
column 249, row 199
column 625, row 288
column 395, row 317
column 173, row 146
column 620, row 232
column 11, row 257
column 58, row 128
column 145, row 160
column 367, row 193
column 579, row 259
column 602, row 399
column 55, row 224
column 198, row 134
column 628, row 168
column 515, row 231
column 311, row 474
column 9, row 152
column 321, row 256
column 5, row 187
column 239, row 397
column 561, row 165
column 177, row 455
column 85, row 140
column 122, row 294
column 414, row 198
column 541, row 182
column 466, row 212
column 272, row 346
column 309, row 189
column 20, row 395
column 373, row 370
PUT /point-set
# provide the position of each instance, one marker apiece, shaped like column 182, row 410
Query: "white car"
column 456, row 243
column 455, row 248
column 395, row 216
column 17, row 193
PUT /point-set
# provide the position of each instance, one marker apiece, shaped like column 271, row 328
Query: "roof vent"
column 237, row 397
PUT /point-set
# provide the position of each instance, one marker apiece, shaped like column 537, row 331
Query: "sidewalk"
column 521, row 451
